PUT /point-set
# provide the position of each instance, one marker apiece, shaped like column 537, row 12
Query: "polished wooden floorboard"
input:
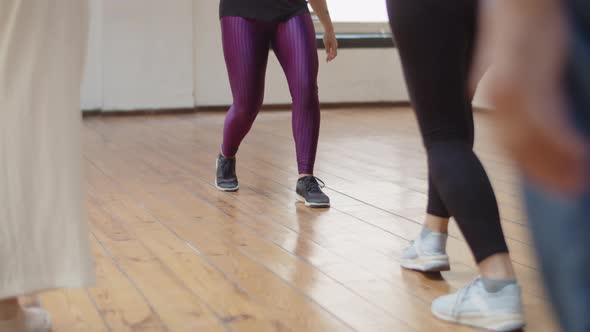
column 174, row 254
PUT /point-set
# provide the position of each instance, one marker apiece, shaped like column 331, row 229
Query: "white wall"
column 92, row 85
column 143, row 50
column 153, row 54
column 210, row 84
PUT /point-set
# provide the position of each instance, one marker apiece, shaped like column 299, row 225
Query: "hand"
column 331, row 45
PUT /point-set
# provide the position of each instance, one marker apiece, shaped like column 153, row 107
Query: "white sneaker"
column 28, row 320
column 427, row 253
column 475, row 306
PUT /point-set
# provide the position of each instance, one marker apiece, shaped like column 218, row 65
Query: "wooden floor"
column 174, row 254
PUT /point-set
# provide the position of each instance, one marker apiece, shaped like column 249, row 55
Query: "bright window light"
column 365, row 11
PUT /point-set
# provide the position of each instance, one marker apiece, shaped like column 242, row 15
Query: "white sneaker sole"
column 496, row 322
column 427, row 263
column 310, row 204
column 233, row 189
column 224, row 189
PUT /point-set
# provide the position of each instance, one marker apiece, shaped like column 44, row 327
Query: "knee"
column 447, row 159
column 247, row 106
column 304, row 91
column 439, row 137
column 448, row 150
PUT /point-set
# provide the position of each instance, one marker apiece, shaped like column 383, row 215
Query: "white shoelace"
column 461, row 295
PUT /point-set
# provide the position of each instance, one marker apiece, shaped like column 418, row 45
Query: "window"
column 358, row 16
column 355, row 11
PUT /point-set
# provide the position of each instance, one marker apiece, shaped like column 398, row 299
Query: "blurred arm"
column 528, row 41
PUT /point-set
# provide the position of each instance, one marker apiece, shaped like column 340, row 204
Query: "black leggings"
column 435, row 40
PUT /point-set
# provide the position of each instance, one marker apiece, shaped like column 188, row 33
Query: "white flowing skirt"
column 43, row 230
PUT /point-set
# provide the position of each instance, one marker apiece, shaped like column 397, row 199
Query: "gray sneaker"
column 226, row 179
column 309, row 191
column 475, row 306
column 427, row 253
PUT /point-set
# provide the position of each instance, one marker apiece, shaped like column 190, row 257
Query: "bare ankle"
column 498, row 266
column 436, row 224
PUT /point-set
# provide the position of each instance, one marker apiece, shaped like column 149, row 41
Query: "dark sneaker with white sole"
column 309, row 191
column 226, row 179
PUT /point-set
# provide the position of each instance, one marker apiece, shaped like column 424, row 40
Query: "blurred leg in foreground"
column 43, row 232
column 542, row 91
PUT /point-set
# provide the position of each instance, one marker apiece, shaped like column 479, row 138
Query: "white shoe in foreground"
column 427, row 253
column 28, row 320
column 475, row 306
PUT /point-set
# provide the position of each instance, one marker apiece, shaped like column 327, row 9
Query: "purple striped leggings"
column 246, row 45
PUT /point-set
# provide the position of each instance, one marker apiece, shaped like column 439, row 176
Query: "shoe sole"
column 427, row 264
column 312, row 205
column 496, row 323
column 229, row 190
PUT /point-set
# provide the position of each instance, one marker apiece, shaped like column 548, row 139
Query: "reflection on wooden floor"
column 174, row 254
